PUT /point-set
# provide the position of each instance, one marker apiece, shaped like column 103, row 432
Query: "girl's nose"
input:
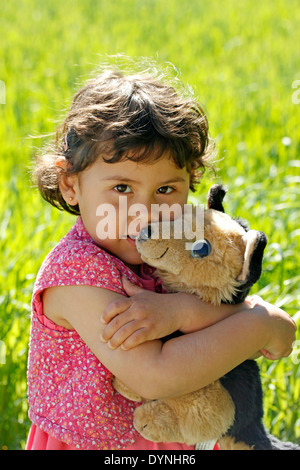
column 146, row 211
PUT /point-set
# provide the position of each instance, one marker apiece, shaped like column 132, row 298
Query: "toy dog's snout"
column 145, row 233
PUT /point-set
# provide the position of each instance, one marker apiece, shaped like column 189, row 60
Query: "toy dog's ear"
column 215, row 197
column 253, row 256
column 252, row 265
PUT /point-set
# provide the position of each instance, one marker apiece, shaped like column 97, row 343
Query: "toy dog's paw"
column 125, row 391
column 157, row 422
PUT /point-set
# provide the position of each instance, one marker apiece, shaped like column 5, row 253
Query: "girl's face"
column 108, row 194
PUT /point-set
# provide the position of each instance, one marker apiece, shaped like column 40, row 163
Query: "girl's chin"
column 124, row 249
column 129, row 254
column 131, row 258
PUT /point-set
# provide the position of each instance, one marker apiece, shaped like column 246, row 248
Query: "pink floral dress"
column 72, row 404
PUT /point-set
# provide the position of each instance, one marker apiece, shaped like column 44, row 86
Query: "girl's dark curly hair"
column 126, row 116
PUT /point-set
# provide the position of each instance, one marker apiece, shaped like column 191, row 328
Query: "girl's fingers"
column 115, row 308
column 138, row 337
column 122, row 335
column 275, row 357
column 116, row 324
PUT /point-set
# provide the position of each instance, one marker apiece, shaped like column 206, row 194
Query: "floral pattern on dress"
column 70, row 393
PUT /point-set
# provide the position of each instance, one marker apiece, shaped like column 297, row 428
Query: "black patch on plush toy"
column 215, row 197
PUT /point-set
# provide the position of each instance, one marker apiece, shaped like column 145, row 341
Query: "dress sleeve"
column 78, row 264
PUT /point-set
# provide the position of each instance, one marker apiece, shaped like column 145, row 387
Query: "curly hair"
column 126, row 116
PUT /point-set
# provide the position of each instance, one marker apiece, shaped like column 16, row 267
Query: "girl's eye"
column 122, row 188
column 201, row 248
column 165, row 190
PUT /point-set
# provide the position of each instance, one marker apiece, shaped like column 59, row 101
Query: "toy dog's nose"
column 145, row 233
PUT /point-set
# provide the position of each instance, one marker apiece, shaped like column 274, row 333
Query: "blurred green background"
column 242, row 59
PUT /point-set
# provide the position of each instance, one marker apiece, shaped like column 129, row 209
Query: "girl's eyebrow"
column 119, row 178
column 177, row 179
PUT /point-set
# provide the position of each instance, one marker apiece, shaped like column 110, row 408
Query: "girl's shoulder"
column 78, row 260
column 78, row 251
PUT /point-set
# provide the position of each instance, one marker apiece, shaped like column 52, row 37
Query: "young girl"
column 137, row 137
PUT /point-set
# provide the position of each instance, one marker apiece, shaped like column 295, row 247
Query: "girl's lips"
column 131, row 241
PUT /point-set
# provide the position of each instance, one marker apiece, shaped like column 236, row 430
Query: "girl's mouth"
column 131, row 240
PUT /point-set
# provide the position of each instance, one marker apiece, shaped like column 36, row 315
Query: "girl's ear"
column 67, row 183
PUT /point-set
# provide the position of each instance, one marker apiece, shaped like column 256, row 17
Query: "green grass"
column 241, row 58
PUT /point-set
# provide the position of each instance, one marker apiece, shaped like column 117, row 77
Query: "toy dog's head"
column 224, row 259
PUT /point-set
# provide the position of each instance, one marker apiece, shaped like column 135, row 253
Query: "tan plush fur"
column 228, row 443
column 195, row 417
column 207, row 413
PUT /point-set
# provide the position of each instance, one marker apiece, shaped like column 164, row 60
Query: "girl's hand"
column 146, row 315
column 282, row 329
column 141, row 317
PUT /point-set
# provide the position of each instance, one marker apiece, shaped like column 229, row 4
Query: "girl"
column 135, row 136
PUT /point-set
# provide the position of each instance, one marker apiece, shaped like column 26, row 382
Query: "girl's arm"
column 181, row 365
column 146, row 315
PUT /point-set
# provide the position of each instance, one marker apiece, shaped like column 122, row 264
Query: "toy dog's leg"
column 125, row 391
column 200, row 416
column 229, row 443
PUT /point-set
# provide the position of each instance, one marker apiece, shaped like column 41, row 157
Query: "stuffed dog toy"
column 224, row 261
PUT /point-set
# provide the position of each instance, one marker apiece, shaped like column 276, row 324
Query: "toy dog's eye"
column 201, row 248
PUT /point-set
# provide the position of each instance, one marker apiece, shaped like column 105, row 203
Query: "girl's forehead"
column 126, row 168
